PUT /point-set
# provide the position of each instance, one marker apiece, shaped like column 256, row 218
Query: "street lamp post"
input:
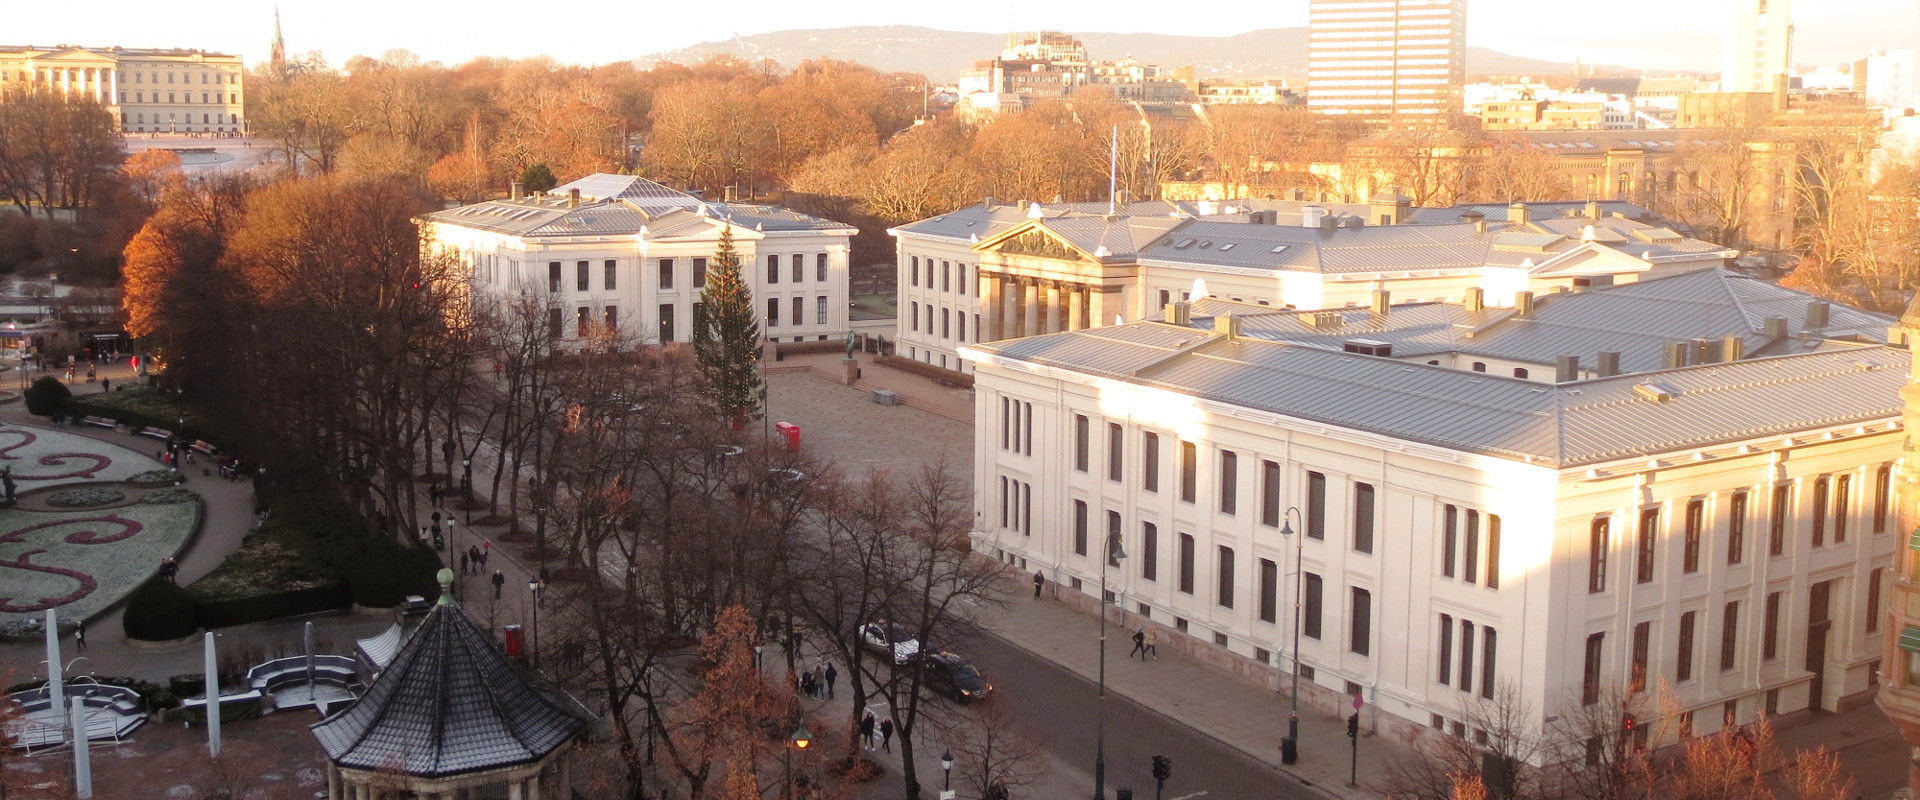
column 535, row 587
column 801, row 738
column 946, row 768
column 1290, row 748
column 1114, row 555
column 466, row 488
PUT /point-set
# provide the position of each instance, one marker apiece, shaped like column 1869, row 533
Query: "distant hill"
column 942, row 55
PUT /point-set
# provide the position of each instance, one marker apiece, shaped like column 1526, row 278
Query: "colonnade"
column 1013, row 306
column 102, row 83
column 521, row 784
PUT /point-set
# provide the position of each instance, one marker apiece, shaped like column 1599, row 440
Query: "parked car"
column 882, row 637
column 950, row 675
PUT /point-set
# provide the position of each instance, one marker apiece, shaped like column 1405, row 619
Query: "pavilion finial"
column 446, row 586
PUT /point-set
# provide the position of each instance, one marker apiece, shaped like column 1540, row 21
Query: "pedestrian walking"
column 807, row 686
column 1039, row 580
column 866, row 730
column 473, row 552
column 463, row 563
column 106, row 385
column 831, row 675
column 1153, row 638
column 80, row 638
column 433, row 495
column 1139, row 644
column 886, row 734
column 499, row 580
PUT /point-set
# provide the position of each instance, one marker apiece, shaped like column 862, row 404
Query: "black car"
column 952, row 676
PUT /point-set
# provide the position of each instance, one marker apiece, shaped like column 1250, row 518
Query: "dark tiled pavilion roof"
column 448, row 704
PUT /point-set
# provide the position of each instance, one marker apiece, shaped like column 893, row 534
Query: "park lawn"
column 86, row 557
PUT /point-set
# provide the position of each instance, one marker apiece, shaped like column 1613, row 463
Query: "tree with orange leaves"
column 725, row 725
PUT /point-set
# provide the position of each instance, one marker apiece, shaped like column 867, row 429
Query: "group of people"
column 885, row 726
column 474, row 561
column 818, row 682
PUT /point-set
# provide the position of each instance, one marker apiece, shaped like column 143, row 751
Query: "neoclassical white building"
column 996, row 271
column 1681, row 482
column 620, row 251
column 147, row 90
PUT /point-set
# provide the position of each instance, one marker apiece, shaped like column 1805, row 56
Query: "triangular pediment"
column 1033, row 239
column 75, row 54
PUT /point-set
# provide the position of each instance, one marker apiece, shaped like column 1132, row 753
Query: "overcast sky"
column 1649, row 34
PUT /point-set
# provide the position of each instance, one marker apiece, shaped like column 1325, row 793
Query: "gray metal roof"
column 448, row 704
column 618, row 205
column 1563, row 425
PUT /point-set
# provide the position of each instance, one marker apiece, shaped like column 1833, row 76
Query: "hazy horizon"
column 1688, row 37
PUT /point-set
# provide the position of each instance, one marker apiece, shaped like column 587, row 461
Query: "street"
column 1043, row 693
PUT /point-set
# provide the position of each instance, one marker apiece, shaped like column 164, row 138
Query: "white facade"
column 1759, row 48
column 1889, row 79
column 164, row 91
column 1403, row 60
column 1435, row 575
column 640, row 264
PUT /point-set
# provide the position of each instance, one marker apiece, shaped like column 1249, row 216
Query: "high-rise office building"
column 1402, row 61
column 1759, row 48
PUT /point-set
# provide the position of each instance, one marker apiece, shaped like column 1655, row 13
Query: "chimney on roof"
column 1517, row 213
column 1817, row 313
column 1523, row 303
column 1775, row 328
column 1733, row 348
column 1476, row 299
column 573, row 198
column 1701, row 351
column 1479, row 221
column 1593, row 209
column 1609, row 364
column 988, row 205
column 1673, row 355
column 1023, row 205
column 1566, row 368
column 1382, row 302
column 516, row 190
column 1228, row 324
column 1180, row 313
column 1329, row 222
column 1310, row 216
column 1299, row 194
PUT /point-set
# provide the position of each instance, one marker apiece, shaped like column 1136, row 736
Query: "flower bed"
column 80, row 562
column 153, row 478
column 40, row 458
column 85, row 497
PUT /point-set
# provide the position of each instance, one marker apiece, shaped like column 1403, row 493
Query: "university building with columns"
column 1677, row 490
column 147, row 90
column 1001, row 271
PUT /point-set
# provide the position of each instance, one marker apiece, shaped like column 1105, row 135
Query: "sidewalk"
column 914, row 391
column 1237, row 713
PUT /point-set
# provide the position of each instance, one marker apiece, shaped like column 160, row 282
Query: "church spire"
column 278, row 58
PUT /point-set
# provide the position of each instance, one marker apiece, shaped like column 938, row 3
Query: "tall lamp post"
column 535, row 587
column 801, row 738
column 946, row 768
column 1290, row 748
column 1114, row 555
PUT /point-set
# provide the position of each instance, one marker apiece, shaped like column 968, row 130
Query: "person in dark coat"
column 807, row 686
column 1039, row 580
column 463, row 563
column 1139, row 644
column 866, row 730
column 886, row 734
column 499, row 580
column 831, row 675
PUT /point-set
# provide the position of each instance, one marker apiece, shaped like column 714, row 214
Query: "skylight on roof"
column 1226, row 247
column 1278, row 248
column 1183, row 244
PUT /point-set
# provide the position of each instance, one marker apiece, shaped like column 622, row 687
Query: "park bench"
column 98, row 422
column 205, row 449
column 155, row 433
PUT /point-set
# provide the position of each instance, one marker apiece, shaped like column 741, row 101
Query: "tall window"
column 1683, row 670
column 1189, row 471
column 946, row 274
column 1736, row 527
column 1313, row 591
column 1642, row 647
column 820, row 267
column 1225, row 577
column 1690, row 546
column 1269, row 590
column 1873, row 599
column 773, row 269
column 667, row 333
column 666, row 274
column 1316, row 505
column 1361, row 638
column 1882, row 483
column 1489, row 648
column 1590, row 673
column 1842, row 487
column 1270, row 494
column 1081, row 433
column 582, row 319
column 1770, row 628
column 1648, row 537
column 1116, row 450
column 1149, row 551
column 1079, row 527
column 1493, row 551
column 1729, row 635
column 1112, row 546
column 699, row 273
column 1821, row 486
column 1777, row 526
column 1446, row 649
column 820, row 311
column 1466, row 656
column 553, row 277
column 1449, row 539
column 913, row 278
column 610, row 275
column 1229, row 482
column 1597, row 555
column 1150, row 462
column 1471, row 563
column 613, row 319
column 1363, row 517
column 799, row 267
column 773, row 311
column 799, row 311
column 1186, row 563
column 580, row 276
column 554, row 323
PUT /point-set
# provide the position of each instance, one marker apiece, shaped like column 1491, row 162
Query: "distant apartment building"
column 622, row 253
column 1243, row 93
column 147, row 91
column 1889, row 79
column 1759, row 50
column 1047, row 65
column 1398, row 61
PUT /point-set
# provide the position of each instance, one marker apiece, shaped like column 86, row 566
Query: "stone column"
column 1030, row 307
column 333, row 783
column 1044, row 296
column 113, row 85
column 989, row 302
column 533, row 787
column 515, row 790
column 1077, row 308
column 1010, row 311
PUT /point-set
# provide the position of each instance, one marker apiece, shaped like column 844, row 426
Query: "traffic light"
column 1162, row 768
column 1626, row 724
column 1353, row 725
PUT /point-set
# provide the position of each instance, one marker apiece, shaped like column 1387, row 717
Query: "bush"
column 159, row 611
column 222, row 612
column 385, row 575
column 46, row 396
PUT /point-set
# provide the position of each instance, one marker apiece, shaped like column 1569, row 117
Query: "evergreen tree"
column 538, row 178
column 726, row 342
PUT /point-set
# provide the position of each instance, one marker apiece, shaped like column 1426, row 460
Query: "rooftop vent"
column 1656, row 392
column 1817, row 314
column 1325, row 320
column 1566, row 368
column 1180, row 313
column 1476, row 299
column 1609, row 364
column 1368, row 347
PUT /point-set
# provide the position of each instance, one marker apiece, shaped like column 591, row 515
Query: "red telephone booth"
column 791, row 433
column 514, row 641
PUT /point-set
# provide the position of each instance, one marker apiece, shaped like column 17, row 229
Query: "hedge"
column 132, row 418
column 386, row 575
column 222, row 612
column 159, row 611
column 944, row 377
column 46, row 396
